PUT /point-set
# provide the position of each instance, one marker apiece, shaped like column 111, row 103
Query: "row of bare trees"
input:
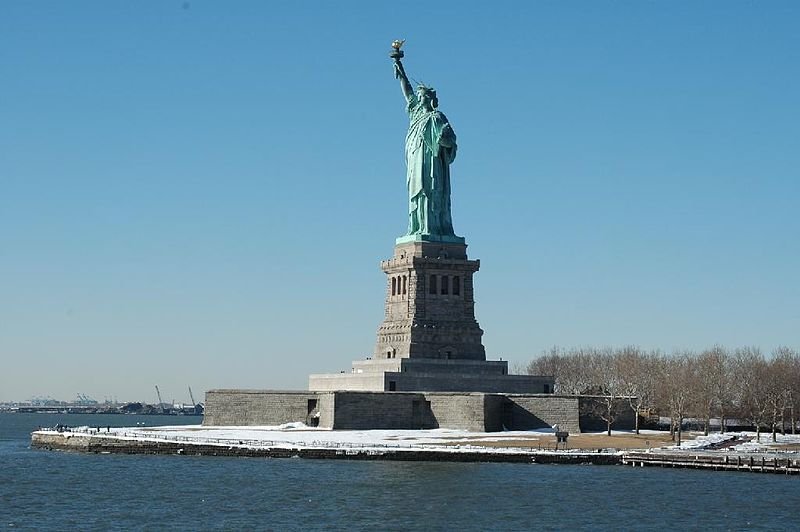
column 743, row 383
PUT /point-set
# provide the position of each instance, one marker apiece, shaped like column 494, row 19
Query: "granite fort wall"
column 259, row 407
column 355, row 410
column 465, row 411
column 326, row 405
column 379, row 410
column 528, row 412
column 376, row 410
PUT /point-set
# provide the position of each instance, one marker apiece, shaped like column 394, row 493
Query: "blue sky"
column 199, row 193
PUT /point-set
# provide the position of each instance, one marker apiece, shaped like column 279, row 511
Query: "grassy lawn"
column 588, row 441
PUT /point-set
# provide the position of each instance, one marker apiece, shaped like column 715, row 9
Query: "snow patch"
column 753, row 445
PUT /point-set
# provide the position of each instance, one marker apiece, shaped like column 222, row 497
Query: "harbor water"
column 60, row 490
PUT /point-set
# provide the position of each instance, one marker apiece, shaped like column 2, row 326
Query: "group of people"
column 66, row 428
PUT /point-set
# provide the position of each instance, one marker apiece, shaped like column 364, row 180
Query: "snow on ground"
column 298, row 435
column 702, row 442
column 766, row 441
column 623, row 432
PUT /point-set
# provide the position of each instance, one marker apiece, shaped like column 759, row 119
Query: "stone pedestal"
column 429, row 339
column 430, row 305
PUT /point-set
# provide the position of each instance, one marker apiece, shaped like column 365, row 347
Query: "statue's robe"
column 428, row 170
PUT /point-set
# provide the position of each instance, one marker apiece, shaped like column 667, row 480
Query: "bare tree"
column 792, row 375
column 783, row 380
column 608, row 384
column 639, row 373
column 716, row 382
column 679, row 374
column 722, row 367
column 711, row 385
column 551, row 362
column 582, row 370
column 752, row 373
column 573, row 370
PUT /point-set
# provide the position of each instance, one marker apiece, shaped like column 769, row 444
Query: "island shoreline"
column 108, row 444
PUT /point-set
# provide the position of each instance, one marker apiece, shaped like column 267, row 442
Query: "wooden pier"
column 725, row 462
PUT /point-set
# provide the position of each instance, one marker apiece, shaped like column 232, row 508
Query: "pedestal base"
column 423, row 375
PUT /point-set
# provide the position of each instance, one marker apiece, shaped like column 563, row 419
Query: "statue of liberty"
column 430, row 149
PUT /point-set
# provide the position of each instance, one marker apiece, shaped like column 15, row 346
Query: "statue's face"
column 425, row 99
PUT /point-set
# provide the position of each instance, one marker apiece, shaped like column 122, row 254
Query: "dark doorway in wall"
column 420, row 414
column 392, row 386
column 508, row 414
column 312, row 419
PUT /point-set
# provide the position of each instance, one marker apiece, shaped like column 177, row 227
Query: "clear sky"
column 199, row 193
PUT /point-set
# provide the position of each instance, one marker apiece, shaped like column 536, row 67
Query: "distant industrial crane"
column 191, row 396
column 158, row 393
column 85, row 400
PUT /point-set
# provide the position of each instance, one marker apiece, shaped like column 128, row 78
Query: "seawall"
column 48, row 440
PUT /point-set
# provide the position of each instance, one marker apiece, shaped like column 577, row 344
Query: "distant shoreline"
column 114, row 411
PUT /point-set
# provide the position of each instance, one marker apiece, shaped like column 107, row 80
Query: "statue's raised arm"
column 400, row 72
column 405, row 85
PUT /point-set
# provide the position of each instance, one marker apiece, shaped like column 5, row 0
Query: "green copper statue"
column 430, row 149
